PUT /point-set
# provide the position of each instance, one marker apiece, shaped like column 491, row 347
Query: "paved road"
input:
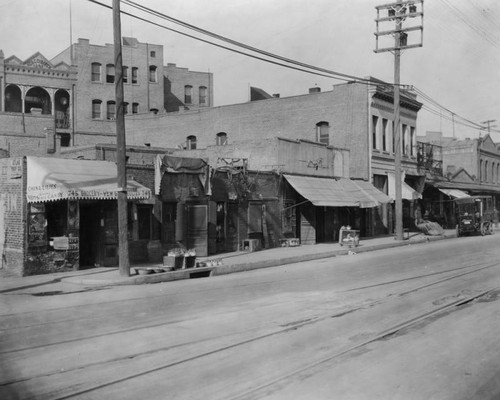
column 417, row 322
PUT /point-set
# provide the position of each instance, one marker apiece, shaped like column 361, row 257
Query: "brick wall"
column 345, row 109
column 12, row 216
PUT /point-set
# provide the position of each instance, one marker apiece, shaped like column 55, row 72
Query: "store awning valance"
column 407, row 192
column 341, row 192
column 455, row 193
column 50, row 179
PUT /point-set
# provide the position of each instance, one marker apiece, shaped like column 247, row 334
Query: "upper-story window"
column 374, row 132
column 135, row 74
column 125, row 108
column 412, row 141
column 323, row 132
column 385, row 122
column 221, row 139
column 152, row 54
column 152, row 73
column 188, row 94
column 96, row 109
column 404, row 139
column 110, row 73
column 111, row 110
column 96, row 72
column 125, row 74
column 135, row 108
column 203, row 95
column 191, row 142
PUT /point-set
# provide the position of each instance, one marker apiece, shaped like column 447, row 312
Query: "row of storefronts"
column 59, row 214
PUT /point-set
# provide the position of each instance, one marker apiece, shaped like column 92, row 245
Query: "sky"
column 457, row 67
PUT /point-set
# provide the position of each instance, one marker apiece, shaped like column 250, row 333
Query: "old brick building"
column 69, row 100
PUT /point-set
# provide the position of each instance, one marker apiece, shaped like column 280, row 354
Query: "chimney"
column 315, row 89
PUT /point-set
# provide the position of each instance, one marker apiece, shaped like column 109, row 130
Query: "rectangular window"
column 412, row 141
column 404, row 140
column 188, row 92
column 110, row 73
column 111, row 111
column 135, row 73
column 384, row 134
column 152, row 54
column 374, row 131
column 135, row 108
column 96, row 109
column 203, row 95
column 125, row 74
column 96, row 72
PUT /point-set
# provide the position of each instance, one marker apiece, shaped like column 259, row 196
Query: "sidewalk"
column 227, row 263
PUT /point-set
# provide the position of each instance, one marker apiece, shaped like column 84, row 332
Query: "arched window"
column 492, row 172
column 191, row 142
column 221, row 139
column 96, row 72
column 481, row 173
column 110, row 73
column 498, row 173
column 152, row 73
column 61, row 101
column 153, row 111
column 323, row 132
column 96, row 109
column 111, row 110
column 13, row 100
column 203, row 95
column 38, row 97
column 188, row 94
column 486, row 171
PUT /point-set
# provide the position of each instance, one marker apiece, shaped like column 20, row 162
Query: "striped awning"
column 50, row 179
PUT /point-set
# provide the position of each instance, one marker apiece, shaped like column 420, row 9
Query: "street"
column 413, row 322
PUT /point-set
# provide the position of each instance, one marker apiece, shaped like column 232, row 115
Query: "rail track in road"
column 306, row 320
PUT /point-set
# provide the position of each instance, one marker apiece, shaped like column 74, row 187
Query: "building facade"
column 69, row 100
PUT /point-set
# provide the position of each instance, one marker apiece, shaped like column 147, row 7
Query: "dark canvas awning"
column 340, row 192
column 50, row 179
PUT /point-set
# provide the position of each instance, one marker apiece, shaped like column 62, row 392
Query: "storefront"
column 70, row 214
column 327, row 204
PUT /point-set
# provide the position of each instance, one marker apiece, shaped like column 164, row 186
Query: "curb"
column 191, row 273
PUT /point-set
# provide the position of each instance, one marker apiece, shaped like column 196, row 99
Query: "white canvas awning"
column 407, row 192
column 50, row 179
column 455, row 193
column 340, row 192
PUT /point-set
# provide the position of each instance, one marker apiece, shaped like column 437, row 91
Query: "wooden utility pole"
column 123, row 258
column 398, row 12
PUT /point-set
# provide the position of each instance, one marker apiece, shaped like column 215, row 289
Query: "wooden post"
column 123, row 256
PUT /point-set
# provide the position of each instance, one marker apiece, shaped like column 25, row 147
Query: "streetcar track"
column 285, row 328
column 295, row 326
column 269, row 386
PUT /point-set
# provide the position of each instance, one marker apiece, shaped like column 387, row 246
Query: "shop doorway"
column 90, row 215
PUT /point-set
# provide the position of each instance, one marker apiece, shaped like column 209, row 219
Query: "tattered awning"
column 407, row 192
column 181, row 165
column 341, row 192
column 455, row 193
column 50, row 179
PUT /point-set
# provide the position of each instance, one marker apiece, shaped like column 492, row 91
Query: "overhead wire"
column 296, row 65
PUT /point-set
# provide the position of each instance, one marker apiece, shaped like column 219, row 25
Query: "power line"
column 296, row 65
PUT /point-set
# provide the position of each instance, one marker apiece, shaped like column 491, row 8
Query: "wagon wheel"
column 483, row 229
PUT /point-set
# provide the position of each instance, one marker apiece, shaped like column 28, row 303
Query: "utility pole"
column 123, row 258
column 489, row 124
column 398, row 12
